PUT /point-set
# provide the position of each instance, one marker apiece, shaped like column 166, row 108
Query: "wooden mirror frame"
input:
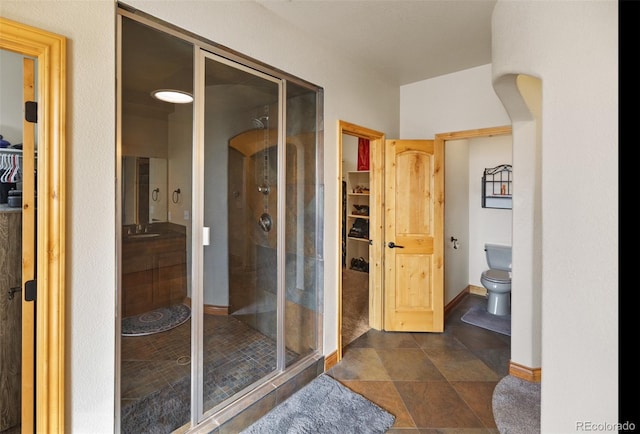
column 50, row 51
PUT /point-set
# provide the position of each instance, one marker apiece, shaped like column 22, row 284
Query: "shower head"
column 260, row 123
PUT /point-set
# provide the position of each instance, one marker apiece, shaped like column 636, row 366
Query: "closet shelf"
column 13, row 151
column 357, row 225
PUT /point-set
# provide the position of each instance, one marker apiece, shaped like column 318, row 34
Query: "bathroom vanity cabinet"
column 154, row 271
column 10, row 316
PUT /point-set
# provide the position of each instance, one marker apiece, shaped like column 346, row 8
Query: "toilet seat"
column 496, row 276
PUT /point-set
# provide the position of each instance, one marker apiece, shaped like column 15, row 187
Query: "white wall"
column 573, row 48
column 456, row 217
column 486, row 225
column 460, row 101
column 349, row 154
column 351, row 93
column 527, row 220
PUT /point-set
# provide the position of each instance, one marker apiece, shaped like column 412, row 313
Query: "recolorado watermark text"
column 586, row 425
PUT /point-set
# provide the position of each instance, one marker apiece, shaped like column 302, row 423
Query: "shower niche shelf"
column 497, row 187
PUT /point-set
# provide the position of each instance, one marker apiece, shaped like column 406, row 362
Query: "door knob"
column 393, row 245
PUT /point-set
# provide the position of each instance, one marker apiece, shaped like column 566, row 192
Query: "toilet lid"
column 497, row 276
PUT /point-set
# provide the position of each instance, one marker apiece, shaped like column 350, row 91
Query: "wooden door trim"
column 470, row 134
column 376, row 212
column 28, row 253
column 50, row 51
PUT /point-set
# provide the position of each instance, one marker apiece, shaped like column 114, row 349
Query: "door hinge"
column 30, row 290
column 31, row 112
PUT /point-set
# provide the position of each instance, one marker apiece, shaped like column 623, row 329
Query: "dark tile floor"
column 432, row 382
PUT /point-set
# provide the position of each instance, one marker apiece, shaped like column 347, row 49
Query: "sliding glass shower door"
column 241, row 230
column 260, row 196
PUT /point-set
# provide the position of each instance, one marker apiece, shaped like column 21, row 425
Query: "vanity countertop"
column 149, row 236
column 6, row 208
column 155, row 231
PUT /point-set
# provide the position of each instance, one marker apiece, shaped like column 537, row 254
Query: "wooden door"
column 413, row 236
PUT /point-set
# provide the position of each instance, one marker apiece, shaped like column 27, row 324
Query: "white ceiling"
column 406, row 40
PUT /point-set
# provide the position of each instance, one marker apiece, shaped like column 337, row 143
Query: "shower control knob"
column 265, row 222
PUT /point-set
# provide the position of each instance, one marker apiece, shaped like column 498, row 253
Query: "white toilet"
column 497, row 279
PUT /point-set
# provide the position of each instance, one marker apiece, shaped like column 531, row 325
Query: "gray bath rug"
column 156, row 321
column 516, row 406
column 324, row 406
column 478, row 316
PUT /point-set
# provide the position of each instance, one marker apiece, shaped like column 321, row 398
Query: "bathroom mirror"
column 144, row 185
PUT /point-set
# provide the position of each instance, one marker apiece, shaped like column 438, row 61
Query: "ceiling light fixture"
column 173, row 96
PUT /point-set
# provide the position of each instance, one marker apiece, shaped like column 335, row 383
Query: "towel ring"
column 154, row 194
column 175, row 196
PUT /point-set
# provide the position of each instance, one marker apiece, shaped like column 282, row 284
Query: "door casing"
column 376, row 147
column 377, row 229
column 44, row 408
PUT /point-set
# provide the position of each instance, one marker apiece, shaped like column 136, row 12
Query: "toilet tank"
column 498, row 256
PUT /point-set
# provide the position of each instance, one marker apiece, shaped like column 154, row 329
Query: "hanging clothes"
column 363, row 153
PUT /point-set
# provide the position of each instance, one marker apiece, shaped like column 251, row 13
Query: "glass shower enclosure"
column 242, row 184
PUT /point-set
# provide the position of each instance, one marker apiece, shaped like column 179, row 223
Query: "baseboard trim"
column 210, row 309
column 532, row 375
column 477, row 290
column 330, row 361
column 456, row 301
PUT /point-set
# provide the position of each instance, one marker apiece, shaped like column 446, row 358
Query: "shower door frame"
column 198, row 414
column 201, row 421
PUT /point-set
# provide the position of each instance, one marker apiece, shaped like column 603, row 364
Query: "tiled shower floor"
column 156, row 371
